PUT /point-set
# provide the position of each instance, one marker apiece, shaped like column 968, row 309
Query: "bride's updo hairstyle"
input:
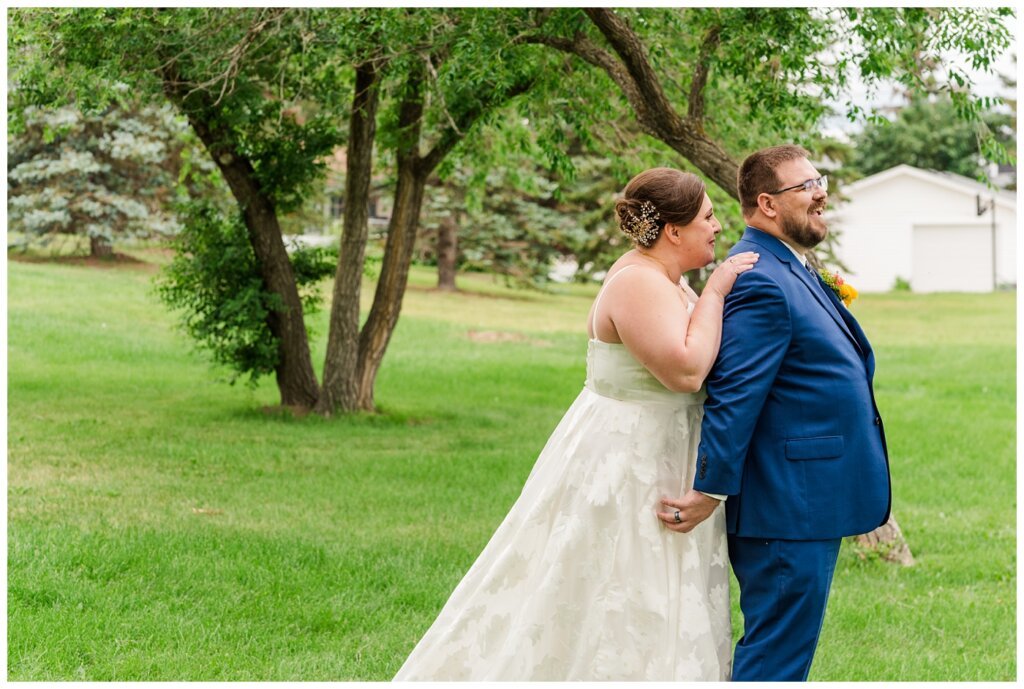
column 656, row 197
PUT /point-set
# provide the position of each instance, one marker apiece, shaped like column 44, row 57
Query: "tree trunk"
column 340, row 391
column 413, row 171
column 412, row 176
column 887, row 540
column 296, row 380
column 447, row 251
column 394, row 275
column 100, row 248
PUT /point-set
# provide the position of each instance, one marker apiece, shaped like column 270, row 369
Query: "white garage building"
column 924, row 227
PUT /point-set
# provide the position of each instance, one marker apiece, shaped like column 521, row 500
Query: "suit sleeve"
column 756, row 332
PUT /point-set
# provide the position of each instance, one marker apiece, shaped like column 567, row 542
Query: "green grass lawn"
column 162, row 526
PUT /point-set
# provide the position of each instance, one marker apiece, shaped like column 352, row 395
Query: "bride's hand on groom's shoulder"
column 724, row 276
column 685, row 513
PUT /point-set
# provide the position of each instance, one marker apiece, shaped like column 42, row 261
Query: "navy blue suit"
column 792, row 434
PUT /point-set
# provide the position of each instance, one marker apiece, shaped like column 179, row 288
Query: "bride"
column 582, row 581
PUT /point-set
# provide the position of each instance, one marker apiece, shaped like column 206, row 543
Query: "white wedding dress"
column 582, row 581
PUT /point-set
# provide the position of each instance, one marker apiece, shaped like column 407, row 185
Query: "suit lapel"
column 826, row 298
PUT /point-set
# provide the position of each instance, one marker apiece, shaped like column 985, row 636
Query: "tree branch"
column 457, row 129
column 656, row 116
column 700, row 76
column 236, row 53
column 628, row 46
column 588, row 51
column 432, row 71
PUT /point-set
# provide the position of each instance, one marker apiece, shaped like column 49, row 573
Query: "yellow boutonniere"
column 843, row 290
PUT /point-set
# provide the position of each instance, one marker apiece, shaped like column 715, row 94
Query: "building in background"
column 937, row 231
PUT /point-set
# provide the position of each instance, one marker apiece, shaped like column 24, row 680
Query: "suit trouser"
column 784, row 587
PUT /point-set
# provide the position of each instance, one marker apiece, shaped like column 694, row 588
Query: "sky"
column 985, row 84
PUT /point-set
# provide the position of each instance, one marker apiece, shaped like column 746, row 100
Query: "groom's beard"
column 798, row 229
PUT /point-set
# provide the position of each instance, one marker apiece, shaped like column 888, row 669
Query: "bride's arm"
column 653, row 323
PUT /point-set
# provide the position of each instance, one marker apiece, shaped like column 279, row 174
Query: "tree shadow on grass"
column 114, row 260
column 383, row 417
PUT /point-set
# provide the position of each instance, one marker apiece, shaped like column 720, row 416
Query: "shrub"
column 214, row 282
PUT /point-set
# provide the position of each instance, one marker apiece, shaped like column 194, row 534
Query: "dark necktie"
column 816, row 279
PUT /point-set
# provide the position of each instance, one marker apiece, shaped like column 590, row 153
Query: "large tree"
column 453, row 74
column 232, row 75
column 267, row 93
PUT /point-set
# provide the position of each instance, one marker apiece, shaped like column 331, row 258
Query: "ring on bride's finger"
column 677, row 517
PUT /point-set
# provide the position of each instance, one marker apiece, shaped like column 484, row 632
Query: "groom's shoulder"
column 767, row 261
column 764, row 279
column 745, row 245
column 755, row 244
column 769, row 271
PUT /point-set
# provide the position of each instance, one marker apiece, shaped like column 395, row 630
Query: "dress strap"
column 597, row 303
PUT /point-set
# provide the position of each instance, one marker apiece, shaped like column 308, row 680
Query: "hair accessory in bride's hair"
column 642, row 228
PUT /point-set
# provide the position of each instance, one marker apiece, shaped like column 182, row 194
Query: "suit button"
column 703, row 472
column 878, row 420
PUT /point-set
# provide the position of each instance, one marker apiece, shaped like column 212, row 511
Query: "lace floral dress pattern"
column 581, row 581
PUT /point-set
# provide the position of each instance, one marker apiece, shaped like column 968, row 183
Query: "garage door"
column 952, row 258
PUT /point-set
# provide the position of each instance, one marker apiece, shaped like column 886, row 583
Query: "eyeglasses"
column 806, row 186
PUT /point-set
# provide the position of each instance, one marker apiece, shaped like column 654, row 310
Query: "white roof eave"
column 1003, row 198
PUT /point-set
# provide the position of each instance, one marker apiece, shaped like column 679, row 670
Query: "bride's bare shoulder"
column 643, row 272
column 623, row 261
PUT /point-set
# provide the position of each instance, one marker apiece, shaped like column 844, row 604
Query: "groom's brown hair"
column 757, row 173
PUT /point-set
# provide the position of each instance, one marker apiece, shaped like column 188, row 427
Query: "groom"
column 791, row 439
